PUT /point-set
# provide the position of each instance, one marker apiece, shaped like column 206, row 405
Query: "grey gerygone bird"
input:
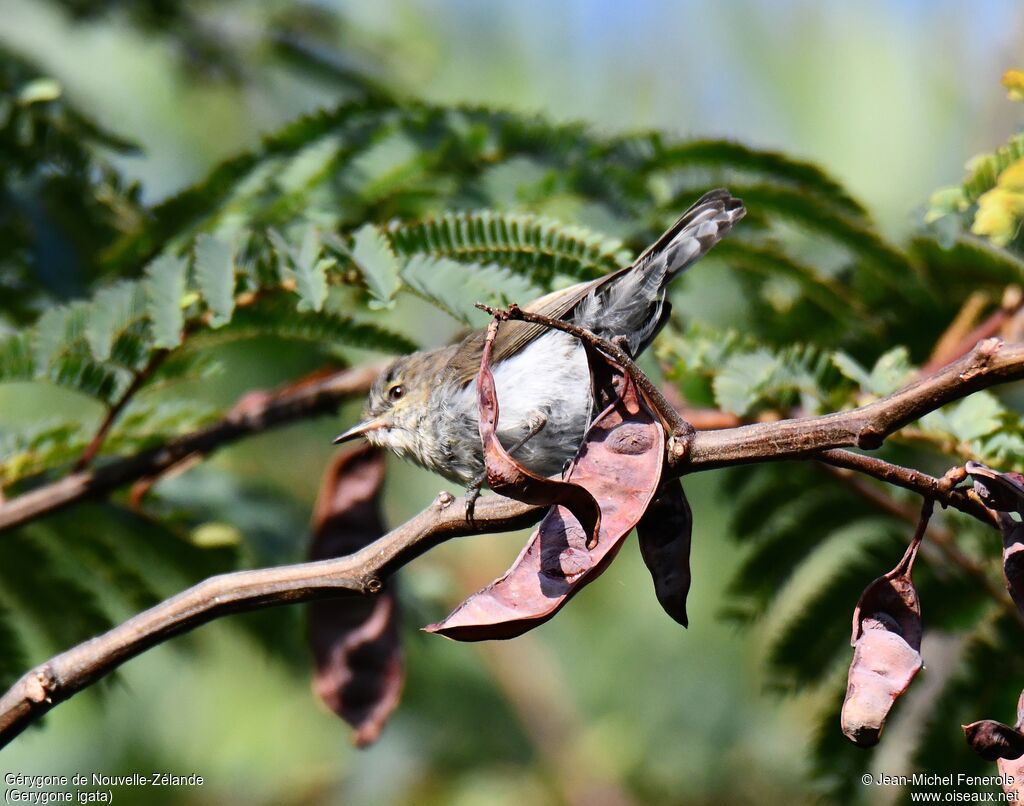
column 424, row 406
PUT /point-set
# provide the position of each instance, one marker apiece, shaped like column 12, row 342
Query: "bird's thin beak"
column 361, row 429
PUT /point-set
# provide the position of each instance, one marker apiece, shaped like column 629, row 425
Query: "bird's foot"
column 473, row 491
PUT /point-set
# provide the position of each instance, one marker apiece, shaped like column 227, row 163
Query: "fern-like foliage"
column 540, row 248
column 57, row 180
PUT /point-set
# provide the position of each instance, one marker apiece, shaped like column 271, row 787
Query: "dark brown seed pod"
column 887, row 643
column 355, row 641
column 1004, row 493
column 664, row 535
column 993, row 740
column 619, row 464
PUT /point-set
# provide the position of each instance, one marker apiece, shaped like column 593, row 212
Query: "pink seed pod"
column 887, row 647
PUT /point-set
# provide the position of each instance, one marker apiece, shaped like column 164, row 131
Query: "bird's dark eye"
column 396, row 391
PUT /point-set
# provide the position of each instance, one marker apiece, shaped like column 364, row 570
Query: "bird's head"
column 397, row 403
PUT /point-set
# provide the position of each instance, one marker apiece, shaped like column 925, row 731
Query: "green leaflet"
column 17, row 361
column 376, row 261
column 759, row 377
column 891, row 371
column 984, row 169
column 112, row 311
column 215, row 275
column 310, row 270
column 967, row 420
column 827, row 294
column 277, row 316
column 165, row 292
column 457, row 287
column 852, row 233
column 56, row 329
column 69, row 612
column 990, row 266
column 386, row 165
column 29, row 450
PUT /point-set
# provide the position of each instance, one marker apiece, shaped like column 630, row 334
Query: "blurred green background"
column 611, row 702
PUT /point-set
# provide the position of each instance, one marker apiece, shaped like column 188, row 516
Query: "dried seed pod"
column 355, row 641
column 1004, row 745
column 887, row 647
column 664, row 536
column 993, row 740
column 1004, row 493
column 508, row 477
column 619, row 463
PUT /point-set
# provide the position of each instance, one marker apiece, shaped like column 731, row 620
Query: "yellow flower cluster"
column 1000, row 209
column 1013, row 80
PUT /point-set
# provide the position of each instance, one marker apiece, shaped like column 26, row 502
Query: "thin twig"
column 138, row 381
column 908, row 479
column 960, row 337
column 941, row 538
column 273, row 410
column 59, row 678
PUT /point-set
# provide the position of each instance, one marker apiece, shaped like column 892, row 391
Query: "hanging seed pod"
column 887, row 646
column 1004, row 493
column 355, row 641
column 664, row 536
column 619, row 464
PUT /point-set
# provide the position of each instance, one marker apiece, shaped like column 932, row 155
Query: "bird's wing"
column 513, row 336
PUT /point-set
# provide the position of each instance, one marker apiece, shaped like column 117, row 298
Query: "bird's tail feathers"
column 698, row 229
column 630, row 302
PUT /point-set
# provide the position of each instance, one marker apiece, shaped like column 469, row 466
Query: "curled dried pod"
column 508, row 477
column 887, row 647
column 619, row 463
column 1004, row 493
column 357, row 652
column 664, row 535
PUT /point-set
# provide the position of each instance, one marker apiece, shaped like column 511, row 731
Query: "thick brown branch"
column 259, row 414
column 991, row 362
column 59, row 678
